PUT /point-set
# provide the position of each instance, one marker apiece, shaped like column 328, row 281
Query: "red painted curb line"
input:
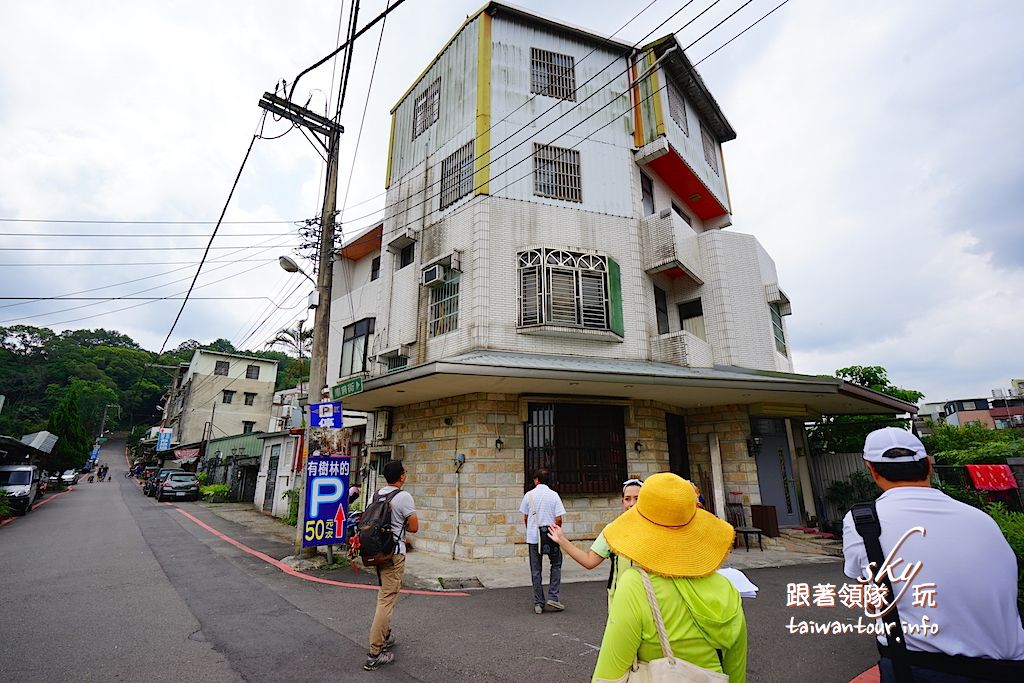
column 869, row 676
column 42, row 502
column 293, row 572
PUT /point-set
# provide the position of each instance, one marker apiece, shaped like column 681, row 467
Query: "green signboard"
column 347, row 388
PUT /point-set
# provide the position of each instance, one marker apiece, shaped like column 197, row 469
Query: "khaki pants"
column 390, row 583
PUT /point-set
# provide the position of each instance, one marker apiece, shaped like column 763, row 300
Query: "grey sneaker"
column 374, row 663
column 554, row 605
column 538, row 608
column 389, row 642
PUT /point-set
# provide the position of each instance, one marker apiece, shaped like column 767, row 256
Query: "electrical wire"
column 763, row 17
column 133, row 235
column 123, row 222
column 206, row 249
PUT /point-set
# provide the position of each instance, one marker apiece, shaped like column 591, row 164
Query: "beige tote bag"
column 668, row 669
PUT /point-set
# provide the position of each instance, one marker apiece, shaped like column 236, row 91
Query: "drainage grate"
column 459, row 582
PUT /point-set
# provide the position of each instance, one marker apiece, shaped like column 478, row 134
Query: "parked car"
column 181, row 485
column 69, row 477
column 154, row 482
column 22, row 485
column 54, row 478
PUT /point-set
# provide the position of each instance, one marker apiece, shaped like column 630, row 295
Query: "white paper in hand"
column 739, row 579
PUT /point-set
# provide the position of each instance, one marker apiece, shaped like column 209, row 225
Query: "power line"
column 119, row 265
column 765, row 16
column 135, row 235
column 210, row 243
column 123, row 222
column 207, row 248
column 130, row 298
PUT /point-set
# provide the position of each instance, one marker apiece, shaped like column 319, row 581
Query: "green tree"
column 73, row 443
column 845, row 433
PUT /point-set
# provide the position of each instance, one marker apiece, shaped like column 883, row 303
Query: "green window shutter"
column 615, row 299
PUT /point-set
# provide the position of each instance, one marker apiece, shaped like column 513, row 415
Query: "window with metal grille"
column 248, row 427
column 556, row 173
column 227, row 396
column 777, row 330
column 444, row 306
column 252, row 372
column 584, row 446
column 221, row 368
column 250, row 398
column 558, row 287
column 677, row 107
column 396, row 362
column 356, row 343
column 552, row 74
column 457, row 175
column 425, row 108
column 710, row 149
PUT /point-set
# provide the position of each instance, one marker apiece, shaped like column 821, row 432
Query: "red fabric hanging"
column 992, row 477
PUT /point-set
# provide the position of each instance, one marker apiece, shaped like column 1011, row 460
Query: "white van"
column 22, row 485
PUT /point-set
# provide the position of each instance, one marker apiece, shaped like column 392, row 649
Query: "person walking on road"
column 675, row 548
column 542, row 508
column 599, row 550
column 403, row 519
column 965, row 583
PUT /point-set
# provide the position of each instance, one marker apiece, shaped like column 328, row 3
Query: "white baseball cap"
column 881, row 441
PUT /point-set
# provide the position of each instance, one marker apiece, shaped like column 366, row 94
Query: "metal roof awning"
column 768, row 393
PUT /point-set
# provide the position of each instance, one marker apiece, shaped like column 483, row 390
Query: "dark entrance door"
column 775, row 470
column 678, row 453
column 268, row 497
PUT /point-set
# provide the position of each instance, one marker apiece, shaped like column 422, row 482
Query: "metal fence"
column 827, row 468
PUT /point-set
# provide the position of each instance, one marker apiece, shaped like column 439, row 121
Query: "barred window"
column 425, row 108
column 677, row 107
column 444, row 306
column 558, row 287
column 221, row 367
column 583, row 446
column 252, row 372
column 710, row 149
column 552, row 74
column 457, row 175
column 395, row 362
column 556, row 173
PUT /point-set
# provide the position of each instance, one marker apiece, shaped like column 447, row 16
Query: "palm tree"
column 296, row 340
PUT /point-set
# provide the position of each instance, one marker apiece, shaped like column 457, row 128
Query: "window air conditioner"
column 433, row 276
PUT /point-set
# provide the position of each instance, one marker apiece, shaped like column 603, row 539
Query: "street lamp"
column 289, row 264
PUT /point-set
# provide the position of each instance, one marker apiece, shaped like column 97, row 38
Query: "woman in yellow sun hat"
column 678, row 546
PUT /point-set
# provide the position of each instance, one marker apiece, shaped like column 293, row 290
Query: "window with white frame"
column 356, row 343
column 558, row 287
column 691, row 318
column 444, row 306
column 677, row 107
column 457, row 175
column 556, row 173
column 552, row 74
column 426, row 108
column 710, row 148
column 777, row 330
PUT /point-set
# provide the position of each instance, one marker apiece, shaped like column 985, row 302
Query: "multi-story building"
column 233, row 392
column 553, row 286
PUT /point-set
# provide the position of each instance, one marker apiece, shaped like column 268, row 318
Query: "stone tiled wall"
column 492, row 481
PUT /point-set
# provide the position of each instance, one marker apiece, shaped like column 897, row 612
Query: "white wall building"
column 553, row 285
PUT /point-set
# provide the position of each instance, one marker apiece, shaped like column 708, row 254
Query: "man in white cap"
column 948, row 564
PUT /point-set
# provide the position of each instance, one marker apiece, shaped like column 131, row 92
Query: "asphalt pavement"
column 104, row 584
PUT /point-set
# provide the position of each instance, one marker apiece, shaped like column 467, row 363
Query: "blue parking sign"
column 325, row 415
column 327, row 481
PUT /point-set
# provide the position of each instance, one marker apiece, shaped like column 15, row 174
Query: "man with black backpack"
column 381, row 539
column 953, row 575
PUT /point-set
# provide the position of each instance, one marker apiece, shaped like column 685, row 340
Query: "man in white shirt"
column 950, row 565
column 541, row 508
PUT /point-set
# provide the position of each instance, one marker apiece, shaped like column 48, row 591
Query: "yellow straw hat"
column 666, row 534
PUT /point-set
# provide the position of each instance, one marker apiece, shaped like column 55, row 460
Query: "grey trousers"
column 555, row 558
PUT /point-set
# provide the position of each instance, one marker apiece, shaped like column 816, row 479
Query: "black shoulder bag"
column 869, row 526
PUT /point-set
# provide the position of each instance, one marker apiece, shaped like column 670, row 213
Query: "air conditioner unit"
column 434, row 276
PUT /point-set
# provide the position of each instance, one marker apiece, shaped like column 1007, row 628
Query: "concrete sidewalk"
column 434, row 572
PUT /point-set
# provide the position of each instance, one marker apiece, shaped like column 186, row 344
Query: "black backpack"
column 376, row 537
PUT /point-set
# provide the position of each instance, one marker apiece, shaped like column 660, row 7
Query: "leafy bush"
column 953, row 438
column 215, row 492
column 1012, row 526
column 858, row 488
column 5, row 505
column 293, row 506
column 992, row 452
column 202, row 477
column 964, row 495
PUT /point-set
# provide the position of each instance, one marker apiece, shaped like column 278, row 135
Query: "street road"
column 104, row 584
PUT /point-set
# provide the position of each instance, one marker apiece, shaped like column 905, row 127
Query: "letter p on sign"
column 326, row 490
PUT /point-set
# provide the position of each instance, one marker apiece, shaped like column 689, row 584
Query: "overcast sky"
column 879, row 159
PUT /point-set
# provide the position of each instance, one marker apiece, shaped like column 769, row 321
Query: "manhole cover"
column 459, row 583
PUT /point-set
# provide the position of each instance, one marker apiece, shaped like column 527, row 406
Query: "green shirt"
column 701, row 617
column 619, row 564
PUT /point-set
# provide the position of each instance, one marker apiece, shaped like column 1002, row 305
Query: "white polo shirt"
column 964, row 555
column 546, row 505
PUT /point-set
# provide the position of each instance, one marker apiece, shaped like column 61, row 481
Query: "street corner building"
column 554, row 285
